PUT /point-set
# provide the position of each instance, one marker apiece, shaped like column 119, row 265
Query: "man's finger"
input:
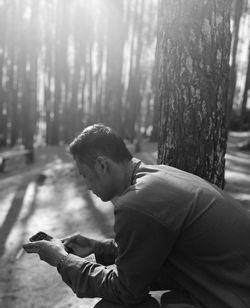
column 31, row 248
column 68, row 240
column 72, row 245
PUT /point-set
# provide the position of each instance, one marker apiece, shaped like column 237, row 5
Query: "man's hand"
column 49, row 251
column 82, row 246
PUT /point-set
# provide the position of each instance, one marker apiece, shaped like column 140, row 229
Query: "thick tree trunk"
column 193, row 51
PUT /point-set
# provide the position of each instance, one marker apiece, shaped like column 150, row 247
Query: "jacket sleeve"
column 143, row 245
column 106, row 252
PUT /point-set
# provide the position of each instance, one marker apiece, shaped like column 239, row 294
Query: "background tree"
column 134, row 98
column 239, row 65
column 245, row 93
column 115, row 42
column 237, row 9
column 3, row 111
column 193, row 50
column 67, row 64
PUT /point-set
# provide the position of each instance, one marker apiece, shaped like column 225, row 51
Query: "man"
column 173, row 231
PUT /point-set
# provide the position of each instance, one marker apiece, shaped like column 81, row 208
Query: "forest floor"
column 59, row 204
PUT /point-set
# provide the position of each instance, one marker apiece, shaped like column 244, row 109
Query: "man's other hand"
column 82, row 246
column 49, row 251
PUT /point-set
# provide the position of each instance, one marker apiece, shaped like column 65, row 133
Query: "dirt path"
column 59, row 204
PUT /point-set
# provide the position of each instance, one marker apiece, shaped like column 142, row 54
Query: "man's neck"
column 127, row 171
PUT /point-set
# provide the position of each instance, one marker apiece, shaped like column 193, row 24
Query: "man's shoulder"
column 158, row 187
column 151, row 185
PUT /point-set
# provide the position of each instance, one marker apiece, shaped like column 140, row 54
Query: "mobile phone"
column 39, row 236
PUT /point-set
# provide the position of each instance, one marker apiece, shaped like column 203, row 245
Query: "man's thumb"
column 31, row 248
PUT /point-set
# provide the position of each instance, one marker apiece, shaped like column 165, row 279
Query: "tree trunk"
column 12, row 80
column 48, row 72
column 237, row 12
column 115, row 33
column 60, row 66
column 26, row 104
column 99, row 74
column 3, row 122
column 24, row 83
column 245, row 94
column 155, row 80
column 90, row 81
column 135, row 97
column 193, row 53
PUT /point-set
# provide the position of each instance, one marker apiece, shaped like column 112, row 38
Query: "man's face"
column 97, row 179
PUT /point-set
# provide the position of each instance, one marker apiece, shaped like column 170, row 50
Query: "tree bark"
column 193, row 53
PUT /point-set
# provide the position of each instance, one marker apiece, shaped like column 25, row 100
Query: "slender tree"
column 155, row 85
column 115, row 43
column 134, row 97
column 245, row 93
column 99, row 75
column 25, row 90
column 237, row 10
column 60, row 57
column 12, row 78
column 33, row 47
column 193, row 52
column 48, row 73
column 3, row 122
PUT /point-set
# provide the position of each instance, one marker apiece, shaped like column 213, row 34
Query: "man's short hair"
column 99, row 140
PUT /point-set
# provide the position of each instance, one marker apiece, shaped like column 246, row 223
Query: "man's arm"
column 143, row 245
column 106, row 251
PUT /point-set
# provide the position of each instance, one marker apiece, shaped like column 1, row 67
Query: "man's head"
column 100, row 154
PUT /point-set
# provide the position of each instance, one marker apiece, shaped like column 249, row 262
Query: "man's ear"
column 101, row 165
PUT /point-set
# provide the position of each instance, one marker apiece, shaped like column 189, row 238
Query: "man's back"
column 203, row 234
